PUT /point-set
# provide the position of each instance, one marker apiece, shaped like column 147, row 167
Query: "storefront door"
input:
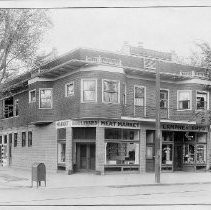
column 85, row 156
column 178, row 155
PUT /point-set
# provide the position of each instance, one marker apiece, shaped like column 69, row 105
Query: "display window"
column 61, row 152
column 189, row 154
column 122, row 153
column 167, row 154
column 201, row 154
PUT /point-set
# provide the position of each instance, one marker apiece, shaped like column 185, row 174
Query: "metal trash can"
column 38, row 173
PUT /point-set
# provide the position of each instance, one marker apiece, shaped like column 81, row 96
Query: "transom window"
column 184, row 99
column 110, row 91
column 46, row 98
column 32, row 96
column 89, row 90
column 139, row 95
column 163, row 99
column 69, row 89
column 201, row 100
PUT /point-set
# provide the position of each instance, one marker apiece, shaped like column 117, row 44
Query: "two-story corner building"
column 91, row 110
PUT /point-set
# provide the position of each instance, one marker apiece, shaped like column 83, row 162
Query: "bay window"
column 184, row 99
column 110, row 91
column 89, row 90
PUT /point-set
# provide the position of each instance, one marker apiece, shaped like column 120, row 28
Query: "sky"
column 164, row 29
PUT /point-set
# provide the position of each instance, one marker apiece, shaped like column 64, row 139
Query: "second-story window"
column 69, row 89
column 139, row 95
column 45, row 98
column 16, row 108
column 163, row 99
column 124, row 94
column 184, row 99
column 29, row 138
column 8, row 107
column 32, row 96
column 201, row 100
column 110, row 91
column 89, row 90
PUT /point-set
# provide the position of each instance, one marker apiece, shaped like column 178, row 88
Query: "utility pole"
column 157, row 125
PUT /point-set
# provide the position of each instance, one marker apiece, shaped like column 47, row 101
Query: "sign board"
column 184, row 127
column 97, row 123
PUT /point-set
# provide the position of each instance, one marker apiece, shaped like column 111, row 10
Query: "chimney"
column 125, row 48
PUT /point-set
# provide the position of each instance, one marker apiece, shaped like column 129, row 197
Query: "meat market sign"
column 97, row 123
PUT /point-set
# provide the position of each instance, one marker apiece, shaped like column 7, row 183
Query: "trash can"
column 38, row 173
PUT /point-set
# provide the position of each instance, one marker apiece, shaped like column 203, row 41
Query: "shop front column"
column 68, row 156
column 100, row 150
column 208, row 149
column 142, row 151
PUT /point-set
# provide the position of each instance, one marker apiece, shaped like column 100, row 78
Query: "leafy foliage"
column 21, row 31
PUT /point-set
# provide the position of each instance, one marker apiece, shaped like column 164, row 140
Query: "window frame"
column 82, row 90
column 23, row 145
column 30, row 142
column 167, row 90
column 69, row 83
column 30, row 98
column 124, row 94
column 40, row 89
column 118, row 91
column 207, row 102
column 190, row 92
column 15, row 139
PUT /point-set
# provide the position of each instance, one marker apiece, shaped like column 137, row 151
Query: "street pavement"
column 175, row 189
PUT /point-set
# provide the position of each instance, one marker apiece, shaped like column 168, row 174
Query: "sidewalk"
column 18, row 178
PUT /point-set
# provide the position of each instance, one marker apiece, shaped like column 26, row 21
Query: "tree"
column 21, row 31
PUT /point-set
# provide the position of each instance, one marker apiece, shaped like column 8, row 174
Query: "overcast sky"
column 162, row 29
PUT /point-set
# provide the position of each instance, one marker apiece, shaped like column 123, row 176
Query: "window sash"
column 45, row 98
column 201, row 100
column 89, row 91
column 184, row 104
column 70, row 89
column 110, row 91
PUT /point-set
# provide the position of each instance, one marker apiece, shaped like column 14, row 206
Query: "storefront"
column 120, row 145
column 184, row 148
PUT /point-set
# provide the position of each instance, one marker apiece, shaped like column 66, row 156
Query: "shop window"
column 29, row 138
column 110, row 91
column 84, row 133
column 139, row 96
column 201, row 154
column 189, row 154
column 89, row 90
column 45, row 98
column 184, row 99
column 201, row 100
column 122, row 153
column 189, row 136
column 23, row 139
column 32, row 96
column 112, row 133
column 167, row 154
column 15, row 139
column 201, row 137
column 61, row 134
column 163, row 99
column 130, row 134
column 69, row 89
column 5, row 139
column 167, row 136
column 61, row 152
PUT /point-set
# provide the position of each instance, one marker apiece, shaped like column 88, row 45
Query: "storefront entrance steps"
column 15, row 178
